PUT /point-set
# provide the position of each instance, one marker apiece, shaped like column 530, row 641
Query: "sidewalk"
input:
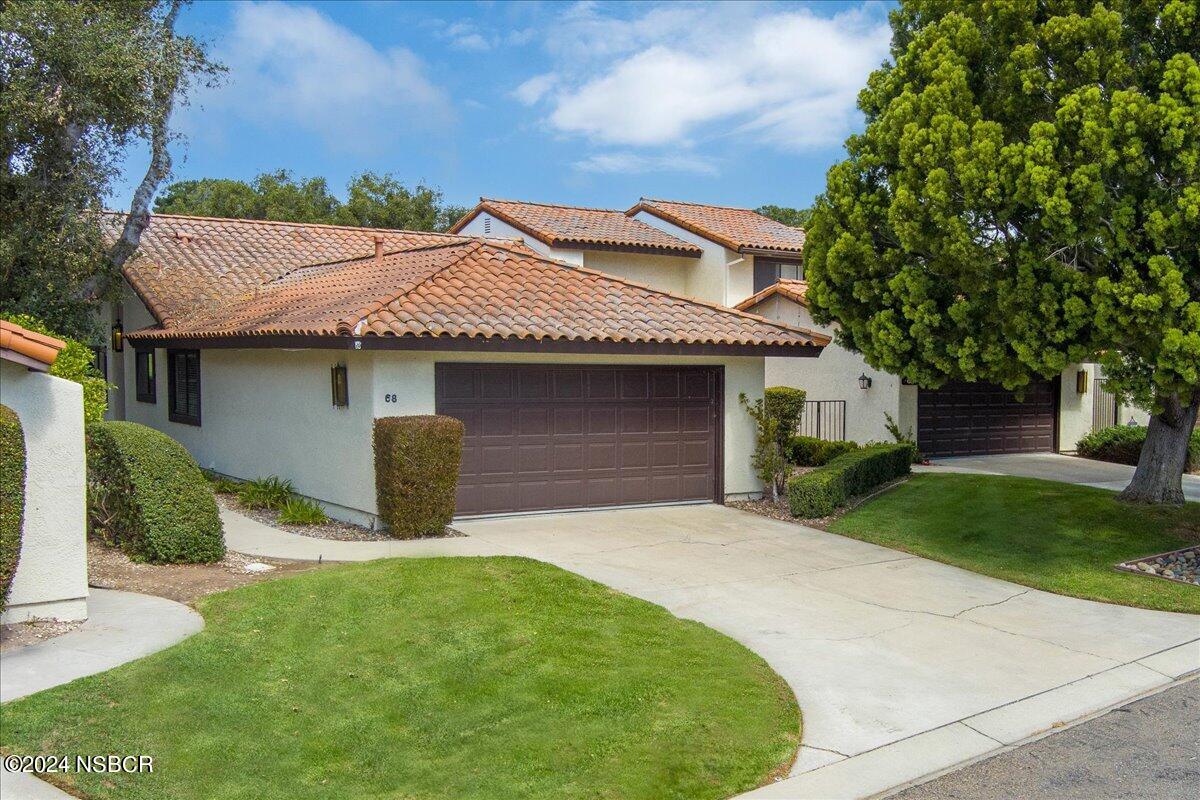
column 121, row 627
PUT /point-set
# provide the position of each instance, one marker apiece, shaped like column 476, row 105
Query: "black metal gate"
column 824, row 419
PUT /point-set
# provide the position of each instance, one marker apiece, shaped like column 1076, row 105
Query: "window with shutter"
column 769, row 271
column 183, row 386
column 144, row 378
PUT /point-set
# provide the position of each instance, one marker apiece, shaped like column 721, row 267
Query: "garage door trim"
column 716, row 406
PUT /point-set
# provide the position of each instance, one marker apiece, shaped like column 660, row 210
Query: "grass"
column 1053, row 536
column 427, row 678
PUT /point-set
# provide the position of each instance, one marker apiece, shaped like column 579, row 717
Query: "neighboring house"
column 270, row 348
column 51, row 577
column 956, row 419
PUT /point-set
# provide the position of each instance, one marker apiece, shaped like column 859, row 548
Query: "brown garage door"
column 980, row 418
column 544, row 437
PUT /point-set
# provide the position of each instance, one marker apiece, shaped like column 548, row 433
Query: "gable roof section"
column 739, row 229
column 478, row 290
column 796, row 291
column 584, row 228
column 184, row 263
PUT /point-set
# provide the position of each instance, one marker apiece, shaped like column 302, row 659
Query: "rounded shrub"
column 12, row 497
column 416, row 473
column 1122, row 444
column 785, row 404
column 147, row 495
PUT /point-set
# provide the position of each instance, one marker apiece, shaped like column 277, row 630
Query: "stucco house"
column 740, row 258
column 270, row 348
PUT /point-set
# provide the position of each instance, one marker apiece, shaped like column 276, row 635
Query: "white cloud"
column 628, row 163
column 293, row 65
column 788, row 78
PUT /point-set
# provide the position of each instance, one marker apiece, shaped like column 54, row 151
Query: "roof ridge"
column 701, row 205
column 655, row 290
column 328, row 225
column 484, row 200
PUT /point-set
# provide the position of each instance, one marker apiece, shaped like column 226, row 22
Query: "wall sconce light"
column 341, row 387
column 864, row 382
column 118, row 337
column 1081, row 382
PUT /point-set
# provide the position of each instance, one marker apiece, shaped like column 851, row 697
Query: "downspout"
column 725, row 284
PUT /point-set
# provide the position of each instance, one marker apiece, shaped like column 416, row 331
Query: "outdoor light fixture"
column 864, row 382
column 341, row 387
column 1081, row 381
column 118, row 337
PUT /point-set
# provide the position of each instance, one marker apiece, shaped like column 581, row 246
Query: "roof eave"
column 470, row 343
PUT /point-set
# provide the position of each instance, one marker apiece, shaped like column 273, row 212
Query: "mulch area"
column 109, row 568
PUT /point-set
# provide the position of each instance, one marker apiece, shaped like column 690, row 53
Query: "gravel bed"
column 19, row 634
column 334, row 529
column 1179, row 565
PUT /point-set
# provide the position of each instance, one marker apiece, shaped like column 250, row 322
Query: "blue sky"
column 585, row 103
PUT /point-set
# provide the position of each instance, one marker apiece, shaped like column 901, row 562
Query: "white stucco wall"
column 502, row 230
column 51, row 577
column 712, row 277
column 668, row 273
column 410, row 376
column 834, row 376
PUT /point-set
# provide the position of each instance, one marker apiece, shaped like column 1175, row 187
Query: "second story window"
column 769, row 271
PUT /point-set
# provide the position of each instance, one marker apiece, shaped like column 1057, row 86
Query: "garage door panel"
column 541, row 437
column 975, row 419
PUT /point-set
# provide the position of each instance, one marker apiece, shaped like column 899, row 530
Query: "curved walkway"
column 121, row 627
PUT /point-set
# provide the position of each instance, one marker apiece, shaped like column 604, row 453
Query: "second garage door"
column 541, row 437
column 980, row 418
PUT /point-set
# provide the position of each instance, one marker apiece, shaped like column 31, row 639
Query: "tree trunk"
column 1159, row 474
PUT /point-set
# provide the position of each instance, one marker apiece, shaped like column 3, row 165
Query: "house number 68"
column 389, row 398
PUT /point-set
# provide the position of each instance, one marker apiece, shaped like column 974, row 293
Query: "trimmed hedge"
column 147, row 495
column 820, row 492
column 1122, row 444
column 12, row 497
column 809, row 451
column 416, row 473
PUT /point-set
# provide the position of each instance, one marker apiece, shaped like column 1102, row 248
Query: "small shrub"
column 820, row 492
column 74, row 363
column 146, row 495
column 221, row 484
column 270, row 492
column 786, row 405
column 809, row 451
column 12, row 497
column 416, row 472
column 1122, row 444
column 767, row 460
column 902, row 437
column 302, row 511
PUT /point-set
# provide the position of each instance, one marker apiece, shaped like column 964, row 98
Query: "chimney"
column 378, row 248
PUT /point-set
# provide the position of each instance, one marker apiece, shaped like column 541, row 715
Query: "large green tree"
column 374, row 201
column 1026, row 195
column 80, row 84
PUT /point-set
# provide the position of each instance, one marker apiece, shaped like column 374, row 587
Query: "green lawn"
column 430, row 678
column 1053, row 536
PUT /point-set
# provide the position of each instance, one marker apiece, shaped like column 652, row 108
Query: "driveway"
column 902, row 667
column 1053, row 467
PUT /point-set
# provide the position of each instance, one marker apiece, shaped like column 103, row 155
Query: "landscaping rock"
column 1180, row 565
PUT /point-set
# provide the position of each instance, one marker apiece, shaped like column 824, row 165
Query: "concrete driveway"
column 903, row 667
column 1053, row 467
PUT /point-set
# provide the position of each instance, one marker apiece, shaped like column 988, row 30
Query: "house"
column 754, row 263
column 270, row 348
column 50, row 581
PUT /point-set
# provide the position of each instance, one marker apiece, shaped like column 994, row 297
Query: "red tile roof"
column 796, row 291
column 477, row 290
column 584, row 228
column 28, row 348
column 188, row 262
column 738, row 229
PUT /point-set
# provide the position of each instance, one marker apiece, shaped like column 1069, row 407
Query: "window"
column 144, row 377
column 100, row 361
column 183, row 386
column 341, row 386
column 769, row 271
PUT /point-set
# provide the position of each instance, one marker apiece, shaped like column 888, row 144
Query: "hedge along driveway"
column 430, row 678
